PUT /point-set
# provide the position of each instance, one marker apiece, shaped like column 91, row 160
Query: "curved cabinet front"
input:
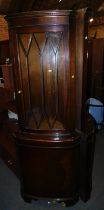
column 50, row 167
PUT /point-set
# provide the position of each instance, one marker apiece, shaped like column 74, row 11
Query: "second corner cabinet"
column 55, row 141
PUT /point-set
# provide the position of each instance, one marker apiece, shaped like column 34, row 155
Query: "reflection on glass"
column 43, row 74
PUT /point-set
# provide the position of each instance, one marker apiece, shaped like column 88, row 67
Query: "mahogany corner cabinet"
column 56, row 137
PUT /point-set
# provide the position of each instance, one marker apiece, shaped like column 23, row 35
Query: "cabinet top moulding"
column 32, row 18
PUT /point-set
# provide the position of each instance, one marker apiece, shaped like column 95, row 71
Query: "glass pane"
column 42, row 60
column 24, row 76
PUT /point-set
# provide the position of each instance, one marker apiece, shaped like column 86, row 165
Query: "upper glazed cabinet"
column 48, row 68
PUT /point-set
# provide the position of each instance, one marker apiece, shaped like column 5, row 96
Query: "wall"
column 3, row 29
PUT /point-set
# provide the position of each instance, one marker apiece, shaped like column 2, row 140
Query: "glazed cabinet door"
column 49, row 51
column 42, row 72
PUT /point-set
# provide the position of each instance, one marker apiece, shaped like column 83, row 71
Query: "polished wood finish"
column 49, row 167
column 33, row 32
column 96, row 67
column 48, row 53
column 51, row 87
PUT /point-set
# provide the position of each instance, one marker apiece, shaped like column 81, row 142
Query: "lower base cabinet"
column 56, row 168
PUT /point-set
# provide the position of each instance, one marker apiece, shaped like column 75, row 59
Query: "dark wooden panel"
column 54, row 176
column 96, row 66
